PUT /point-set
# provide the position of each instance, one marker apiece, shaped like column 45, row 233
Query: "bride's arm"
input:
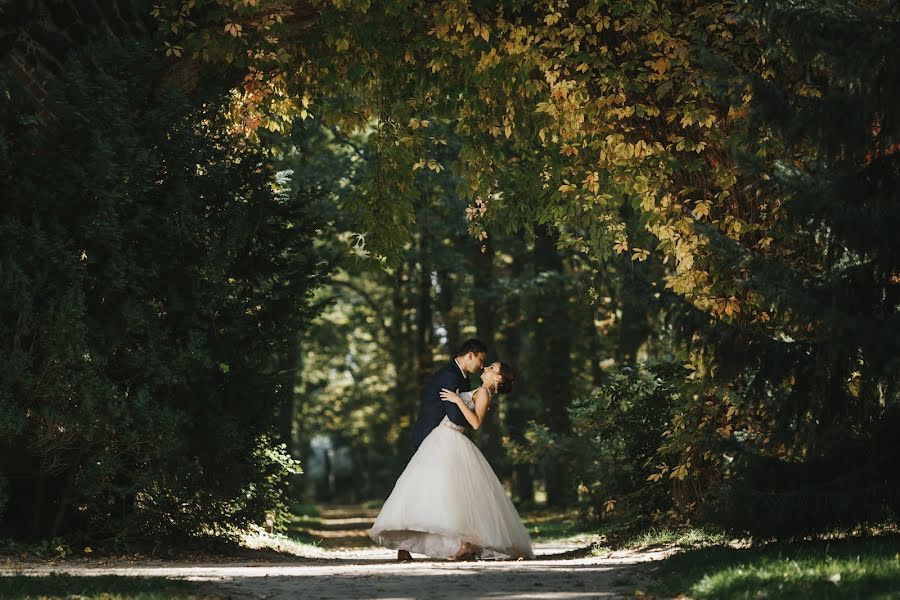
column 474, row 417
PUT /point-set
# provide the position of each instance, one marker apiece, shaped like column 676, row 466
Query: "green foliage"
column 837, row 568
column 549, row 525
column 814, row 378
column 613, row 447
column 615, row 433
column 742, row 155
column 155, row 273
column 687, row 538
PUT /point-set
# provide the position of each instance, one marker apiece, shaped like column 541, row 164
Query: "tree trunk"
column 482, row 265
column 406, row 401
column 424, row 319
column 292, row 371
column 517, row 413
column 635, row 296
column 554, row 366
column 595, row 351
column 446, row 301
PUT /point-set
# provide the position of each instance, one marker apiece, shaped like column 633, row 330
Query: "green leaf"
column 664, row 88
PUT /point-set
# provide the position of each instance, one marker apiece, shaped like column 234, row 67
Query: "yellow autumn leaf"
column 702, row 209
column 660, row 65
column 732, row 306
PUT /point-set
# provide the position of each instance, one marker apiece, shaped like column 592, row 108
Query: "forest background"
column 238, row 231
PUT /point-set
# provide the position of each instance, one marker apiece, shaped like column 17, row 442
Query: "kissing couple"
column 448, row 503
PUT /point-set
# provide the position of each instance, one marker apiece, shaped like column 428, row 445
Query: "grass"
column 554, row 525
column 842, row 568
column 683, row 538
column 107, row 587
column 300, row 509
column 302, row 518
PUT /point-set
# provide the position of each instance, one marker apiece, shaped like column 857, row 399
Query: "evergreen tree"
column 818, row 369
column 155, row 277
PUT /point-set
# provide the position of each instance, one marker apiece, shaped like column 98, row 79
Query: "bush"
column 615, row 434
column 614, row 442
column 154, row 278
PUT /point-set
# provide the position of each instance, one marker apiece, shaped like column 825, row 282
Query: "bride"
column 448, row 502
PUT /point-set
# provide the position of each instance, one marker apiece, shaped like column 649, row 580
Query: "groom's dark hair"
column 471, row 345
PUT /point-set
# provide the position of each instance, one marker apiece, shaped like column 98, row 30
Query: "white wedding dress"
column 448, row 494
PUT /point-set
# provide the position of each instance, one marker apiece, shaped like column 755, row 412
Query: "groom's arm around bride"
column 452, row 376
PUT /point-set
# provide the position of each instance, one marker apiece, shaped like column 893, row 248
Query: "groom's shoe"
column 404, row 556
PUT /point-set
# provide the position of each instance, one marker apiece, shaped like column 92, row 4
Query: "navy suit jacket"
column 433, row 409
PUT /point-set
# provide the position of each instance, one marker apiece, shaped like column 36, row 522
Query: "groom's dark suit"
column 433, row 409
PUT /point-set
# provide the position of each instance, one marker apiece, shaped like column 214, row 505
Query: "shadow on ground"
column 100, row 586
column 444, row 581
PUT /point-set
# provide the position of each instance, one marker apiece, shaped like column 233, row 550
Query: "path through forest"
column 347, row 565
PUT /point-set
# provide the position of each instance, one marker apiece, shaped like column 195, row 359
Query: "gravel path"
column 561, row 570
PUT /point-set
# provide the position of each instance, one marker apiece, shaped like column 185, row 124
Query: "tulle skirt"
column 448, row 494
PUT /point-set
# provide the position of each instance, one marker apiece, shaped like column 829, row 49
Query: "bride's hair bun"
column 508, row 376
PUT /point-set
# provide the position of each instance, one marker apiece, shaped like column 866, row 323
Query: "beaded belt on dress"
column 452, row 425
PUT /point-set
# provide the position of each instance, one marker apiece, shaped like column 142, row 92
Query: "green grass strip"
column 840, row 569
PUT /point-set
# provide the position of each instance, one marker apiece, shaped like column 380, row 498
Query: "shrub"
column 154, row 278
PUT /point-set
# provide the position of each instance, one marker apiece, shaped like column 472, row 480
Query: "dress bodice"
column 468, row 398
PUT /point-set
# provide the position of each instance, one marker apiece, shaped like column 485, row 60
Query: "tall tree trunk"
column 482, row 264
column 517, row 413
column 301, row 450
column 634, row 296
column 291, row 414
column 424, row 318
column 595, row 351
column 406, row 402
column 633, row 326
column 554, row 366
column 446, row 302
column 286, row 410
column 38, row 515
column 65, row 497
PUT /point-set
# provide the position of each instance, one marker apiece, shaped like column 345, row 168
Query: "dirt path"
column 347, row 566
column 341, row 526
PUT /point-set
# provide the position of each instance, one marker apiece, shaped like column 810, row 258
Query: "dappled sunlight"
column 374, row 574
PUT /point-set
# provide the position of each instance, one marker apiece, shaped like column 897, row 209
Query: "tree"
column 817, row 375
column 603, row 118
column 157, row 276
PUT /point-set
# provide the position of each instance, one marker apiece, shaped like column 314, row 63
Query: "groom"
column 453, row 376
